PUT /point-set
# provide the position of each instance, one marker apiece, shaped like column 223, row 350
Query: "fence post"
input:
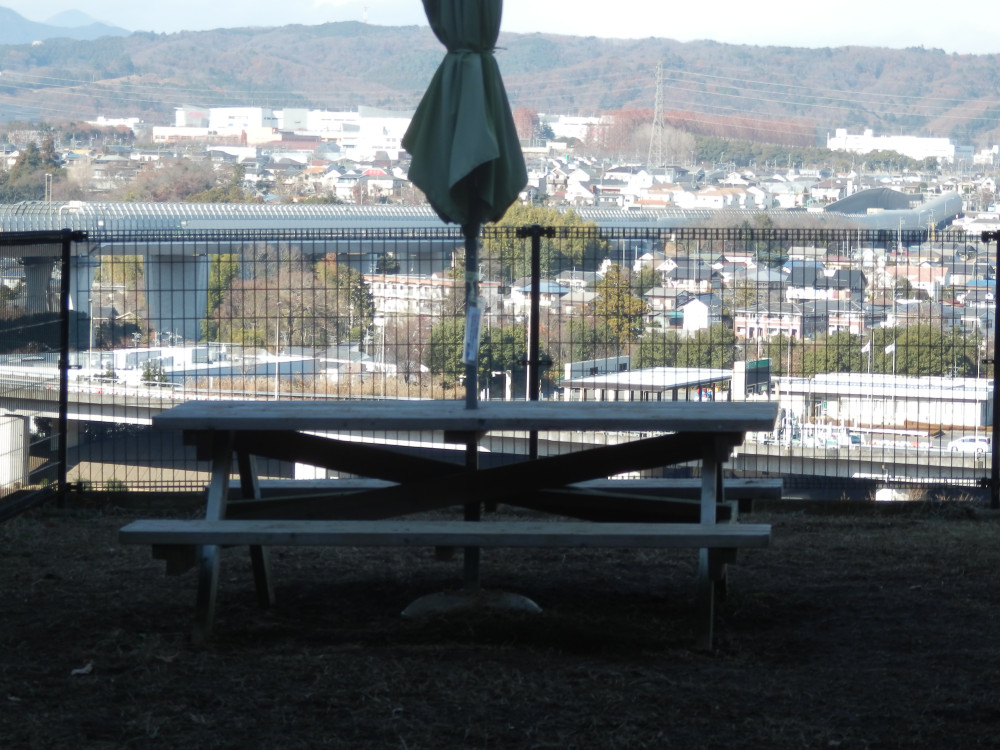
column 67, row 237
column 533, row 372
column 995, row 427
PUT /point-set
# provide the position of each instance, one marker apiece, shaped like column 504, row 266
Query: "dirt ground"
column 853, row 630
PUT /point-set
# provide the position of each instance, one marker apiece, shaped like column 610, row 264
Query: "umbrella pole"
column 471, row 232
column 473, row 509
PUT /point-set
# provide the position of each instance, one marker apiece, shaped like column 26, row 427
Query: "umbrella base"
column 466, row 600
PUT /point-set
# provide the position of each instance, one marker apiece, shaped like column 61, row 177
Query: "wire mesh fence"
column 34, row 343
column 877, row 345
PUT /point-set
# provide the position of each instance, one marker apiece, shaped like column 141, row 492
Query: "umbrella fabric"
column 465, row 154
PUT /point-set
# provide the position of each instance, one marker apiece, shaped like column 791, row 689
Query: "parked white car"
column 970, row 444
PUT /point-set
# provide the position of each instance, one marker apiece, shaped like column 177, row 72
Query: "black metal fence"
column 878, row 345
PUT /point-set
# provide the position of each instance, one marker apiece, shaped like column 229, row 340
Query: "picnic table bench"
column 373, row 514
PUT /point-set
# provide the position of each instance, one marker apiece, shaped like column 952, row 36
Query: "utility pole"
column 655, row 156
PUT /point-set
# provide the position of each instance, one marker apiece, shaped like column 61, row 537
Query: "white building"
column 402, row 294
column 912, row 146
column 234, row 119
column 565, row 126
column 880, row 400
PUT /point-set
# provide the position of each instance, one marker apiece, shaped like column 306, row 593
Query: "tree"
column 740, row 295
column 500, row 349
column 296, row 305
column 351, row 294
column 837, row 352
column 576, row 340
column 26, row 179
column 230, row 191
column 780, row 352
column 170, row 181
column 618, row 309
column 323, row 199
column 577, row 244
column 387, row 262
column 153, row 372
column 445, row 350
column 768, row 252
column 658, row 349
column 527, row 124
column 224, row 268
column 710, row 347
column 126, row 270
column 646, row 279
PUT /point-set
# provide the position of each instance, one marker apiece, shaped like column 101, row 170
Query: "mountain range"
column 74, row 24
column 794, row 96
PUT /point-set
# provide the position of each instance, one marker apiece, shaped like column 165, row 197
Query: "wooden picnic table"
column 326, row 434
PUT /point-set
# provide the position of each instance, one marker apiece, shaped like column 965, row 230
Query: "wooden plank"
column 595, row 505
column 672, row 487
column 574, row 503
column 444, row 533
column 684, row 487
column 375, row 461
column 408, row 415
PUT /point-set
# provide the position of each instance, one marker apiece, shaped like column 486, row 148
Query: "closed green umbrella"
column 465, row 154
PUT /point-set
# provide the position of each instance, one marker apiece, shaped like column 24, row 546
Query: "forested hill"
column 781, row 94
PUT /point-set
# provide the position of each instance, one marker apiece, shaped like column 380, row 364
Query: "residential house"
column 840, row 316
column 664, row 298
column 757, row 197
column 693, row 275
column 577, row 193
column 610, row 192
column 549, row 294
column 727, row 272
column 809, row 253
column 768, row 321
column 342, row 361
column 766, row 282
column 654, row 259
column 961, row 273
column 578, row 279
column 662, row 194
column 717, row 198
column 928, row 278
column 405, row 294
column 787, row 194
column 702, row 311
column 833, row 189
column 577, row 302
column 979, row 298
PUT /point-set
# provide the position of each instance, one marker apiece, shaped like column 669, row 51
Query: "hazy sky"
column 966, row 27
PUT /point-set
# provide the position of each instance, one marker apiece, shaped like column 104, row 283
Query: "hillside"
column 781, row 94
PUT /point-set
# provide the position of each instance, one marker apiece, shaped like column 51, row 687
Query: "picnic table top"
column 392, row 415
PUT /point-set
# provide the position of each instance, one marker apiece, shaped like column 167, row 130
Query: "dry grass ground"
column 859, row 630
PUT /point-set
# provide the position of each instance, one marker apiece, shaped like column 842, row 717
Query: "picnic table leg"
column 208, row 557
column 711, row 480
column 260, row 556
column 472, row 512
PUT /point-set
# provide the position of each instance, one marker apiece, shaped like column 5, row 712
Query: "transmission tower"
column 655, row 157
